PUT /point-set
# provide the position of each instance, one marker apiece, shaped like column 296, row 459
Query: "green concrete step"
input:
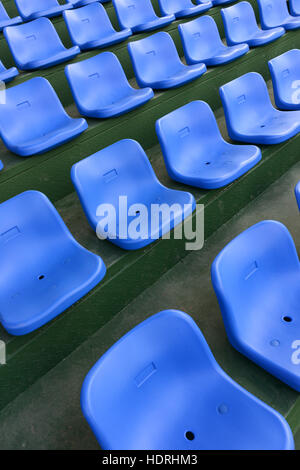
column 50, row 172
column 48, row 416
column 128, row 273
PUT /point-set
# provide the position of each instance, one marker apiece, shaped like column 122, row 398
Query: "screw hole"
column 287, row 319
column 207, row 163
column 190, row 435
column 41, row 277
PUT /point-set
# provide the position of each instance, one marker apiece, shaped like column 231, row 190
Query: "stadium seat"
column 195, row 152
column 1, row 165
column 285, row 72
column 139, row 15
column 32, row 119
column 36, row 45
column 5, row 20
column 100, row 87
column 120, row 171
column 202, row 43
column 157, row 64
column 256, row 278
column 32, row 9
column 160, row 388
column 297, row 193
column 275, row 13
column 45, row 270
column 6, row 75
column 250, row 115
column 183, row 8
column 294, row 7
column 90, row 27
column 240, row 26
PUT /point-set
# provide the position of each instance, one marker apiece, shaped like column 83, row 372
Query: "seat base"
column 109, row 40
column 155, row 24
column 49, row 141
column 56, row 11
column 58, row 58
column 183, row 76
column 7, row 75
column 202, row 7
column 224, row 55
column 263, row 37
column 136, row 98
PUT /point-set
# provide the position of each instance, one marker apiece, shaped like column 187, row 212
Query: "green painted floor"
column 48, row 415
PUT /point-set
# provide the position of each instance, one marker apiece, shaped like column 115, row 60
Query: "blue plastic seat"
column 195, row 152
column 33, row 120
column 294, row 7
column 256, row 278
column 285, row 72
column 183, row 8
column 1, row 165
column 221, row 2
column 6, row 75
column 202, row 43
column 31, row 9
column 6, row 20
column 90, row 27
column 157, row 64
column 82, row 3
column 119, row 171
column 240, row 26
column 139, row 15
column 297, row 194
column 36, row 45
column 275, row 13
column 160, row 388
column 100, row 87
column 250, row 115
column 44, row 270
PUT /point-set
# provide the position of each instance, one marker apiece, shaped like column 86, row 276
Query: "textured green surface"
column 48, row 415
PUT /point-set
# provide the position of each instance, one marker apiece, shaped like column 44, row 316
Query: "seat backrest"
column 98, row 76
column 30, row 109
column 294, row 7
column 246, row 101
column 26, row 7
column 28, row 220
column 122, row 169
column 170, row 7
column 131, row 13
column 200, row 37
column 87, row 23
column 36, row 39
column 155, row 52
column 188, row 134
column 272, row 12
column 3, row 13
column 147, row 403
column 239, row 21
column 285, row 72
column 251, row 267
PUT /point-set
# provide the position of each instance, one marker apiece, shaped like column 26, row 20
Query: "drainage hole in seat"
column 41, row 277
column 287, row 319
column 190, row 435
